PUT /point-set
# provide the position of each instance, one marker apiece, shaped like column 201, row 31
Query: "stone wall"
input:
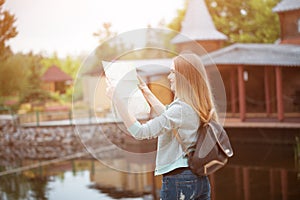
column 49, row 142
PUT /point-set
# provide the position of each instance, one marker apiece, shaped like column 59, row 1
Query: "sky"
column 67, row 26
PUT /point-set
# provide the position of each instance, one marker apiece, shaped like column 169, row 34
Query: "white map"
column 123, row 76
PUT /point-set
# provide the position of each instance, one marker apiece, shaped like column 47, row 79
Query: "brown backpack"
column 211, row 151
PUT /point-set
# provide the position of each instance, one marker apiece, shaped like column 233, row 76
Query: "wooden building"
column 289, row 16
column 55, row 80
column 261, row 80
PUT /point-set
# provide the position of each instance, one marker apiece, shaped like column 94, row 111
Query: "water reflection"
column 74, row 186
column 259, row 170
column 73, row 179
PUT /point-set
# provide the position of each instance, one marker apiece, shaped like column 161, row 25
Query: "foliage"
column 34, row 92
column 7, row 30
column 20, row 77
column 175, row 24
column 250, row 21
column 110, row 47
column 13, row 75
column 62, row 98
column 246, row 21
column 161, row 41
column 69, row 64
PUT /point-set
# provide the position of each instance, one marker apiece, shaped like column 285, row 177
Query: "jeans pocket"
column 205, row 189
column 186, row 189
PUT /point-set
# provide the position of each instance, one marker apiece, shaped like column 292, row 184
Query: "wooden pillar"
column 279, row 94
column 272, row 183
column 242, row 94
column 284, row 184
column 212, row 186
column 267, row 90
column 233, row 90
column 154, row 196
column 238, row 182
column 246, row 184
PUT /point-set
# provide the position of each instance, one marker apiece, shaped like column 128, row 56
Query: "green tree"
column 110, row 47
column 246, row 21
column 157, row 45
column 7, row 30
column 175, row 24
column 20, row 79
column 13, row 76
column 34, row 92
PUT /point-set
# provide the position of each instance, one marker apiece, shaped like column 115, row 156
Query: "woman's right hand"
column 143, row 87
column 157, row 106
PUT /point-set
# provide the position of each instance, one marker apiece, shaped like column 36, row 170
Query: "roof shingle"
column 256, row 54
column 54, row 74
column 287, row 5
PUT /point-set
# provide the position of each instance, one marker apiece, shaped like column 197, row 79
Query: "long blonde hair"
column 193, row 87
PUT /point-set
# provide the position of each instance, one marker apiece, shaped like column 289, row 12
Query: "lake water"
column 262, row 168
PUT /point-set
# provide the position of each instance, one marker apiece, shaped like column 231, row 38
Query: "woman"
column 192, row 106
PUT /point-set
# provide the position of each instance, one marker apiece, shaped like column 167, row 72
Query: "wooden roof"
column 55, row 74
column 287, row 5
column 197, row 24
column 256, row 54
column 236, row 54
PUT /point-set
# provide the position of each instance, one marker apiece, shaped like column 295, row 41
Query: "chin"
column 172, row 89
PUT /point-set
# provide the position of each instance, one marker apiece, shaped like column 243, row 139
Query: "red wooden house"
column 56, row 80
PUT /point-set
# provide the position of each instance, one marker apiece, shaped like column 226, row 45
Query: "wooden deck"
column 261, row 120
column 260, row 123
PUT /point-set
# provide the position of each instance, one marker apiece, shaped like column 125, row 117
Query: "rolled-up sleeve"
column 134, row 128
column 170, row 119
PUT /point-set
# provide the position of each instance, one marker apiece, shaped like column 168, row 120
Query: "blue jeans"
column 185, row 185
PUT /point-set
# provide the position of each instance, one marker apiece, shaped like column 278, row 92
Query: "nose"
column 171, row 75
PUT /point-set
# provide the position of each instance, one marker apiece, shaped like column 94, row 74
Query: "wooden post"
column 242, row 94
column 37, row 114
column 153, row 187
column 279, row 93
column 267, row 90
column 272, row 183
column 246, row 183
column 238, row 183
column 233, row 90
column 70, row 117
column 284, row 184
column 213, row 186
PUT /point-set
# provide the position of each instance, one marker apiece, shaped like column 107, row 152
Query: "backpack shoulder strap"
column 177, row 136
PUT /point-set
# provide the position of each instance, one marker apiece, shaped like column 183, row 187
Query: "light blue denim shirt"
column 178, row 116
